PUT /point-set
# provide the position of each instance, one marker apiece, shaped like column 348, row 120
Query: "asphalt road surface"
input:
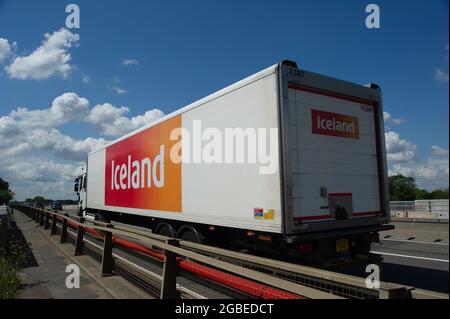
column 416, row 254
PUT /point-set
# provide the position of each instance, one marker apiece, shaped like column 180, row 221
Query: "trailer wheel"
column 165, row 229
column 102, row 217
column 189, row 233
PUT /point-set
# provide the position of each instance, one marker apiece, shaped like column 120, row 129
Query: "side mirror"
column 75, row 188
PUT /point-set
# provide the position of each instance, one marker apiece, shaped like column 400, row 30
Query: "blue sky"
column 186, row 50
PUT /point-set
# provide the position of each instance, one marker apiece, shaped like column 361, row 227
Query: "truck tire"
column 165, row 229
column 189, row 233
column 102, row 217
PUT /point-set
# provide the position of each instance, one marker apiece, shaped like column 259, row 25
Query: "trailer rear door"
column 333, row 158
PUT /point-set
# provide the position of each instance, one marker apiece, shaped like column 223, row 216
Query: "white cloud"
column 440, row 75
column 5, row 49
column 64, row 108
column 62, row 145
column 87, row 79
column 437, row 151
column 389, row 119
column 36, row 175
column 398, row 149
column 128, row 62
column 430, row 174
column 50, row 141
column 38, row 159
column 42, row 161
column 51, row 58
column 41, row 170
column 111, row 120
column 119, row 90
column 8, row 127
column 106, row 113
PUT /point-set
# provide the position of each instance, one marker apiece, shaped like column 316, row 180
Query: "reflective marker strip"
column 319, row 217
column 340, row 194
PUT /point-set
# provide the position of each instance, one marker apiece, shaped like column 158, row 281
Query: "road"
column 416, row 254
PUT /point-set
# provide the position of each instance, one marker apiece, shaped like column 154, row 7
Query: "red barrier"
column 71, row 224
column 136, row 247
column 247, row 286
column 93, row 232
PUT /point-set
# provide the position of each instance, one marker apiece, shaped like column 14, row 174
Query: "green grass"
column 10, row 263
column 10, row 282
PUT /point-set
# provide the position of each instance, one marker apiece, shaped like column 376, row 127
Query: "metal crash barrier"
column 249, row 276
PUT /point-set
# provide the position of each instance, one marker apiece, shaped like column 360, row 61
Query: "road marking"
column 408, row 256
column 415, row 241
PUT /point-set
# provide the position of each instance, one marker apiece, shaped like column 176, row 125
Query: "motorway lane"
column 431, row 255
column 418, row 231
column 421, row 265
column 416, row 254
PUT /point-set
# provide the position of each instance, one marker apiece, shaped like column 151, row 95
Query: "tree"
column 39, row 199
column 439, row 194
column 422, row 194
column 5, row 193
column 402, row 188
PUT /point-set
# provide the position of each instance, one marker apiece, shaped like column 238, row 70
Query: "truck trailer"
column 285, row 161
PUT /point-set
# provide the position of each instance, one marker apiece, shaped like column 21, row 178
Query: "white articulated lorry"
column 284, row 161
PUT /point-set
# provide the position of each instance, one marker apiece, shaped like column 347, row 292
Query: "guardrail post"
column 170, row 272
column 47, row 220
column 107, row 260
column 79, row 243
column 64, row 230
column 35, row 214
column 54, row 222
column 41, row 218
